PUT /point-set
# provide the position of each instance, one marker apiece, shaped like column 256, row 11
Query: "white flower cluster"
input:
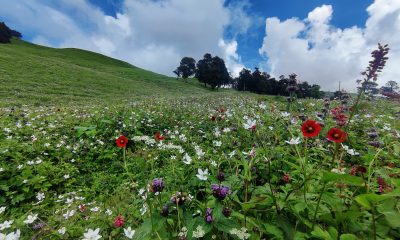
column 199, row 232
column 146, row 139
column 240, row 233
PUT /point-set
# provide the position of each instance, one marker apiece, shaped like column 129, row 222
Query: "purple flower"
column 226, row 211
column 376, row 144
column 165, row 211
column 220, row 191
column 157, row 185
column 221, row 176
column 209, row 218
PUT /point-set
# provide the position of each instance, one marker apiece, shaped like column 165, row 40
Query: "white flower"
column 217, row 143
column 202, row 175
column 1, row 169
column 95, row 209
column 33, row 138
column 199, row 152
column 231, row 154
column 293, row 141
column 5, row 225
column 350, row 151
column 213, row 163
column 66, row 176
column 129, row 232
column 199, row 232
column 226, row 130
column 262, row 106
column 108, row 212
column 25, row 181
column 20, row 166
column 143, row 210
column 62, row 231
column 40, row 196
column 69, row 214
column 2, row 209
column 339, row 170
column 30, row 219
column 187, row 159
column 11, row 236
column 92, row 234
column 285, row 114
column 250, row 124
column 241, row 234
column 271, row 128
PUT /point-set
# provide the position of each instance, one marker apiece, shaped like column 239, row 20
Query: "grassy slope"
column 32, row 74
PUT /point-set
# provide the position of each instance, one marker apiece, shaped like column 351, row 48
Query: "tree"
column 212, row 71
column 392, row 85
column 243, row 79
column 187, row 68
column 6, row 33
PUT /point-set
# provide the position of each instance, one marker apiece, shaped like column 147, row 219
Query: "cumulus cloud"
column 153, row 35
column 323, row 54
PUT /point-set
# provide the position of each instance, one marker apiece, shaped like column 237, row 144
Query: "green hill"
column 33, row 74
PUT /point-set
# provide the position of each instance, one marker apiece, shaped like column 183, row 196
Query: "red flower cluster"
column 119, row 221
column 122, row 141
column 310, row 128
column 339, row 115
column 158, row 137
column 336, row 135
column 219, row 113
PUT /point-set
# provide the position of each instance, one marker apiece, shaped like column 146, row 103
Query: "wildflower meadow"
column 227, row 165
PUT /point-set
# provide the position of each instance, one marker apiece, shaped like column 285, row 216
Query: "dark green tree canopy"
column 212, row 71
column 187, row 68
column 263, row 83
column 6, row 33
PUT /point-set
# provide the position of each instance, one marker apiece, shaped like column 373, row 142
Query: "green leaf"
column 274, row 230
column 348, row 236
column 144, row 230
column 370, row 199
column 345, row 178
column 393, row 218
column 226, row 225
column 320, row 233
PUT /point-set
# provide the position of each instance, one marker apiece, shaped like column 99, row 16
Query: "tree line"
column 212, row 71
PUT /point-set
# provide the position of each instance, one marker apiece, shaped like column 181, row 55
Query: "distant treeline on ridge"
column 213, row 72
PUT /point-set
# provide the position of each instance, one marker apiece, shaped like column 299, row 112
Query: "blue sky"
column 323, row 41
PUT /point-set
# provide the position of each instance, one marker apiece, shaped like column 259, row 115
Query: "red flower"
column 336, row 135
column 286, row 178
column 82, row 207
column 310, row 128
column 119, row 221
column 159, row 137
column 121, row 141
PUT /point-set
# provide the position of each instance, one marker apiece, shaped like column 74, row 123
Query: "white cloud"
column 153, row 35
column 232, row 59
column 323, row 54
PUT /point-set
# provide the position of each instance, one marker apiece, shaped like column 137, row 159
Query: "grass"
column 37, row 75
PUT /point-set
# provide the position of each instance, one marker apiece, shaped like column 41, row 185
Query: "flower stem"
column 316, row 209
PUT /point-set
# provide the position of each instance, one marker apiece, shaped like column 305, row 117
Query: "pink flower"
column 119, row 221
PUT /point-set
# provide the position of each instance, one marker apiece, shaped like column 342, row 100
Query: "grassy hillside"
column 32, row 74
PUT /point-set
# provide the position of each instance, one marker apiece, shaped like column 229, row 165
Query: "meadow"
column 124, row 153
column 227, row 167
